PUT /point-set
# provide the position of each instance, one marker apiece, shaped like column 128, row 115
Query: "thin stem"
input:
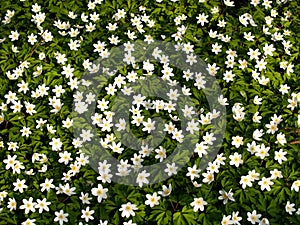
column 172, row 205
column 35, row 46
column 295, row 142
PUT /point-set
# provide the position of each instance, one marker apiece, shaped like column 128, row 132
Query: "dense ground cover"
column 49, row 173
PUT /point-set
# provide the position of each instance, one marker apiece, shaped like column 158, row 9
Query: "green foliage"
column 48, row 100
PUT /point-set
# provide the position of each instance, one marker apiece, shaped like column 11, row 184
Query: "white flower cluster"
column 45, row 172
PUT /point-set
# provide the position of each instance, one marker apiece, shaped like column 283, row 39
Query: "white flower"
column 85, row 198
column 20, row 185
column 128, row 209
column 263, row 151
column 149, row 125
column 260, row 64
column 56, row 144
column 29, row 222
column 28, row 205
column 249, row 36
column 192, row 126
column 215, row 10
column 236, row 218
column 32, row 39
column 220, row 159
column 209, row 138
column 245, row 181
column 188, row 111
column 67, row 123
column 225, row 196
column 177, row 135
column 253, row 147
column 171, row 169
column 161, row 153
column 254, row 54
column 253, row 175
column 61, row 217
column 265, row 183
column 229, row 3
column 129, row 223
column 42, row 205
column 226, row 220
column 253, row 217
column 222, row 100
column 86, row 135
column 284, row 89
column 237, row 141
column 14, row 35
column 296, row 185
column 100, row 193
column 166, row 191
column 145, row 150
column 280, row 156
column 73, row 45
column 198, row 203
column 208, row 177
column 257, row 100
column 116, row 147
column 12, row 204
column 264, row 221
column 193, row 172
column 65, row 157
column 137, row 119
column 228, row 76
column 236, row 159
column 121, row 125
column 268, row 49
column 104, row 167
column 148, row 66
column 201, row 149
column 152, row 200
column 289, row 208
column 67, row 190
column 87, row 214
column 216, row 48
column 281, row 139
column 47, row 185
column 276, row 174
column 106, row 124
column 202, row 19
column 292, row 103
column 103, row 222
column 276, row 119
column 256, row 117
column 213, row 167
column 257, row 134
column 142, row 178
